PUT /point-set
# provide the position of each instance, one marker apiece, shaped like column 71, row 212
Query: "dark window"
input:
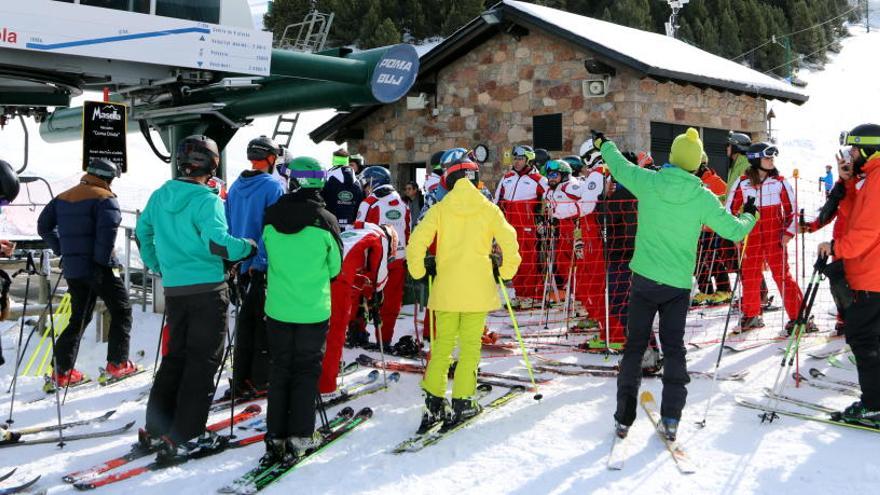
column 714, row 143
column 140, row 6
column 547, row 131
column 194, row 10
column 661, row 140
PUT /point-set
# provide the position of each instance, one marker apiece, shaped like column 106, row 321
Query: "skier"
column 673, row 207
column 711, row 263
column 518, row 195
column 80, row 225
column 766, row 244
column 737, row 147
column 432, row 180
column 366, row 253
column 305, row 254
column 542, row 156
column 183, row 236
column 383, row 205
column 827, row 180
column 859, row 247
column 342, row 192
column 465, row 225
column 255, row 190
column 576, row 164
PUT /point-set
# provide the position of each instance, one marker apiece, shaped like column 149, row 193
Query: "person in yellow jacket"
column 464, row 290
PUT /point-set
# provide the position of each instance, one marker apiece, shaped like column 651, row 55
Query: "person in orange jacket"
column 714, row 258
column 859, row 247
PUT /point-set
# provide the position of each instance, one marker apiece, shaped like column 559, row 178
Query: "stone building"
column 526, row 74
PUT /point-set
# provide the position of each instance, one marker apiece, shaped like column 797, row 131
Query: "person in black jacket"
column 80, row 224
column 342, row 192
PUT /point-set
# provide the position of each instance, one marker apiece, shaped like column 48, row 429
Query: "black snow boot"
column 276, row 451
column 462, row 409
column 434, row 413
column 858, row 414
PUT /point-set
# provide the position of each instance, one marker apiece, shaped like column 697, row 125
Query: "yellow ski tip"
column 646, row 397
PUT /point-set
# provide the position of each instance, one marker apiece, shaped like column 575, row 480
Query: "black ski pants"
column 647, row 298
column 297, row 351
column 84, row 293
column 251, row 356
column 184, row 385
column 862, row 329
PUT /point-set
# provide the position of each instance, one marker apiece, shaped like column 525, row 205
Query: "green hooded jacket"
column 673, row 207
column 182, row 234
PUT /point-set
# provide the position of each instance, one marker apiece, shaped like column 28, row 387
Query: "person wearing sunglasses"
column 519, row 196
column 859, row 248
column 766, row 245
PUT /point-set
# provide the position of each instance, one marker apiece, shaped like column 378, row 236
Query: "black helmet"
column 103, row 168
column 9, row 185
column 436, row 161
column 260, row 148
column 739, row 141
column 755, row 152
column 462, row 168
column 866, row 139
column 542, row 156
column 575, row 163
column 197, row 155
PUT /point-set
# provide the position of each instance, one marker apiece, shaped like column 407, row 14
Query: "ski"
column 818, row 375
column 682, row 460
column 822, row 418
column 8, row 475
column 137, row 452
column 828, row 352
column 344, row 396
column 274, row 473
column 483, row 390
column 442, row 433
column 798, row 402
column 611, row 371
column 415, row 368
column 356, row 385
column 349, row 368
column 63, row 426
column 69, row 438
column 835, row 361
column 19, row 488
column 618, row 454
column 826, row 386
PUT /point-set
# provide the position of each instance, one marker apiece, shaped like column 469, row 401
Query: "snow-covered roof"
column 653, row 54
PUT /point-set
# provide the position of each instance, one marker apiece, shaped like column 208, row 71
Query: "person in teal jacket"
column 183, row 236
column 305, row 253
column 673, row 207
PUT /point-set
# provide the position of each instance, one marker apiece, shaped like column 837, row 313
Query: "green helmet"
column 303, row 171
column 558, row 166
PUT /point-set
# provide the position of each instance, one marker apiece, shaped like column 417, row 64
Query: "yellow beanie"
column 687, row 149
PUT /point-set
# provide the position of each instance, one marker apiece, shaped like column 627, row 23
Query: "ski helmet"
column 458, row 169
column 103, row 168
column 542, row 156
column 197, row 155
column 305, row 172
column 9, row 185
column 375, row 176
column 761, row 150
column 866, row 139
column 523, row 151
column 357, row 159
column 739, row 142
column 575, row 163
column 260, row 148
column 560, row 167
column 453, row 155
column 436, row 161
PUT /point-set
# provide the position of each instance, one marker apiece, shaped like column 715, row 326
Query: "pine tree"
column 386, row 33
column 457, row 13
column 284, row 13
column 728, row 34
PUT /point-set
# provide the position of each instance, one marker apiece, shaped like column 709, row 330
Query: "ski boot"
column 858, row 414
column 747, row 323
column 116, row 371
column 357, row 338
column 652, row 362
column 596, row 345
column 668, row 428
column 170, row 452
column 70, row 378
column 701, row 298
column 299, row 447
column 489, row 337
column 276, row 451
column 810, row 327
column 462, row 409
column 406, row 347
column 720, row 297
column 434, row 413
column 620, row 429
column 147, row 442
column 243, row 391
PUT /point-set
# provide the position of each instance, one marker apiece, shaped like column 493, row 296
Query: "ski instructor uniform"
column 673, row 207
column 465, row 224
column 183, row 235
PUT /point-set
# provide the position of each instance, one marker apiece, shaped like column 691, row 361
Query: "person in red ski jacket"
column 383, row 205
column 364, row 272
column 767, row 241
column 519, row 195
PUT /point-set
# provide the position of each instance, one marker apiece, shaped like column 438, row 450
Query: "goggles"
column 768, row 152
column 848, row 139
column 523, row 152
column 554, row 174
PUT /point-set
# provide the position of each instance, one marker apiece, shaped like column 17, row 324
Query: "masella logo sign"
column 106, row 113
column 8, row 36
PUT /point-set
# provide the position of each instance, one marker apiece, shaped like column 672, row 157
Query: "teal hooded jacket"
column 673, row 207
column 182, row 234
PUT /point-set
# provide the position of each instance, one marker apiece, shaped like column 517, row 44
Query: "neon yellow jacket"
column 465, row 224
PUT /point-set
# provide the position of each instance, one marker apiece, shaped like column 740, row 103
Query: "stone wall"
column 490, row 95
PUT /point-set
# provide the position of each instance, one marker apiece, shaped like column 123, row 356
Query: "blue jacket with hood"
column 246, row 203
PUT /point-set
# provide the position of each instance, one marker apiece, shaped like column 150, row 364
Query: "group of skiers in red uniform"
column 549, row 225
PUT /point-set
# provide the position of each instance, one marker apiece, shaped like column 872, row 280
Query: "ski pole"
column 237, row 307
column 742, row 254
column 522, row 346
column 29, row 270
column 30, row 335
column 377, row 324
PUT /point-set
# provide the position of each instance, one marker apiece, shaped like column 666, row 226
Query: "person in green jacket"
column 673, row 207
column 304, row 251
column 183, row 236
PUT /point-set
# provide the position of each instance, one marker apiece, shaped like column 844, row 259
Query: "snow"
column 556, row 446
column 653, row 50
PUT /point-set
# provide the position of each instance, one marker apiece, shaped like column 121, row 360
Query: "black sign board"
column 104, row 126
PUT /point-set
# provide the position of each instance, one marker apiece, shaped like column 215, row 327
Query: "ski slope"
column 555, row 446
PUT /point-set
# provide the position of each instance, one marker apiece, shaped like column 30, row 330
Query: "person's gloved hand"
column 254, row 248
column 377, row 299
column 430, row 266
column 598, row 139
column 496, row 264
column 750, row 207
column 579, row 249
